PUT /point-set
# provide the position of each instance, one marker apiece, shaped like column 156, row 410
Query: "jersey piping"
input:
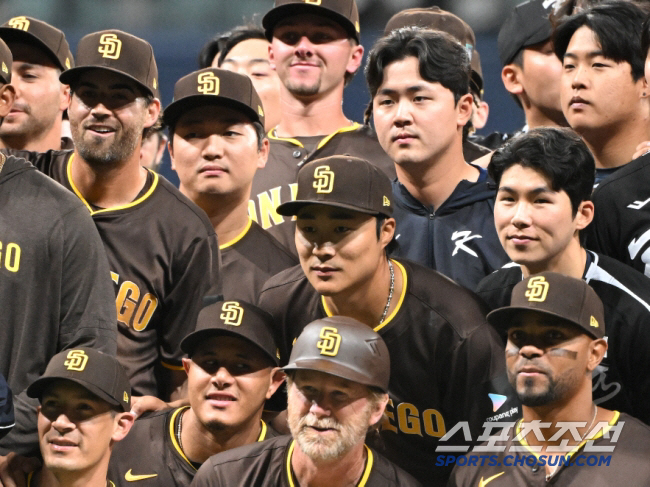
column 139, row 200
column 324, row 140
column 238, row 237
column 399, row 303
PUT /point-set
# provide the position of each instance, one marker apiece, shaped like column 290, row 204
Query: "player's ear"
column 356, row 58
column 7, row 97
column 64, row 100
column 122, row 425
column 511, row 77
column 153, row 112
column 378, row 410
column 187, row 363
column 271, row 57
column 263, row 153
column 387, row 231
column 464, row 109
column 277, row 378
column 597, row 350
column 584, row 215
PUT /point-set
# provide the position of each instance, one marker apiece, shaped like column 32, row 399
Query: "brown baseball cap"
column 343, row 12
column 45, row 36
column 215, row 87
column 96, row 371
column 235, row 318
column 6, row 60
column 554, row 295
column 119, row 52
column 343, row 347
column 434, row 18
column 345, row 182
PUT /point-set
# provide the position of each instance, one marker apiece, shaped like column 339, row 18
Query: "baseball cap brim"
column 176, row 108
column 37, row 388
column 291, row 208
column 507, row 317
column 190, row 342
column 9, row 34
column 69, row 76
column 277, row 14
column 332, row 368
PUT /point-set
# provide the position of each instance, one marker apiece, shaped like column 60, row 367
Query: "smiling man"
column 338, row 375
column 231, row 370
column 556, row 329
column 85, row 401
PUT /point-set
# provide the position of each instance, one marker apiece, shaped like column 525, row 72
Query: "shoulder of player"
column 636, row 430
column 631, row 175
column 273, row 447
column 284, row 279
column 386, row 473
column 271, row 245
column 506, row 276
column 610, row 278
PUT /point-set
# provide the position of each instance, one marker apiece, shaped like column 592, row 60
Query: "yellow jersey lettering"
column 10, row 256
column 408, row 419
column 434, row 423
column 269, row 201
column 388, row 423
column 132, row 310
column 144, row 312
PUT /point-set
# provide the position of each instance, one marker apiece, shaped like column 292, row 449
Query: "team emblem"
column 110, row 46
column 329, row 342
column 593, row 322
column 155, row 84
column 537, row 289
column 323, row 179
column 208, row 84
column 21, row 23
column 77, row 360
column 232, row 313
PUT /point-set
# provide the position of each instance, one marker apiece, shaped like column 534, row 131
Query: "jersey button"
column 297, row 154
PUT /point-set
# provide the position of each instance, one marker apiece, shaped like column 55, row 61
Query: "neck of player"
column 367, row 300
column 540, row 117
column 200, row 443
column 321, row 114
column 432, row 182
column 111, row 185
column 93, row 477
column 341, row 472
column 570, row 262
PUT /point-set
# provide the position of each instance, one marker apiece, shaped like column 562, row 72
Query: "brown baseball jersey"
column 163, row 257
column 151, row 454
column 276, row 183
column 626, row 463
column 269, row 464
column 32, row 482
column 249, row 260
column 446, row 361
column 55, row 290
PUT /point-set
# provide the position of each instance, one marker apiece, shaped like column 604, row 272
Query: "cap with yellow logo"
column 236, row 318
column 32, row 31
column 215, row 87
column 562, row 298
column 343, row 347
column 5, row 63
column 343, row 12
column 119, row 52
column 96, row 371
column 342, row 181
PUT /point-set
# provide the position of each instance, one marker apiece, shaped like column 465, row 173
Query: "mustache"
column 22, row 106
column 323, row 423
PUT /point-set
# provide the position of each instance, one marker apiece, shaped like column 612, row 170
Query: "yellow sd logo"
column 110, row 46
column 329, row 342
column 537, row 289
column 232, row 313
column 21, row 23
column 77, row 360
column 208, row 84
column 323, row 179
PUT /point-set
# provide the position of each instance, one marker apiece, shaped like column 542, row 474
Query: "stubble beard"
column 298, row 89
column 99, row 152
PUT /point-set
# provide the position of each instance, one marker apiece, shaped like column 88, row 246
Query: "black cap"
column 45, row 36
column 343, row 347
column 119, row 52
column 528, row 24
column 216, row 87
column 236, row 318
column 96, row 371
column 343, row 12
column 565, row 298
column 342, row 181
column 6, row 60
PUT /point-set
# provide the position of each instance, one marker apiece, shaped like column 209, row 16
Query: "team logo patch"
column 537, row 289
column 208, row 84
column 21, row 23
column 497, row 401
column 110, row 46
column 593, row 322
column 323, row 180
column 232, row 313
column 329, row 342
column 76, row 360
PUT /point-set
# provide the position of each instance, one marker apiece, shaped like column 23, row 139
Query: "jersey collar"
column 238, row 237
column 350, row 128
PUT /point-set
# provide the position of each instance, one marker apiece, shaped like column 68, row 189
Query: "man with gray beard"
column 337, row 378
column 162, row 249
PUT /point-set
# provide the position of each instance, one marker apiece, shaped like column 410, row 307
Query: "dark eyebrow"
column 410, row 89
column 591, row 54
column 117, row 86
column 540, row 190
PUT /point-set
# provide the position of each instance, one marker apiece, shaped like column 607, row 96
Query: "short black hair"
column 617, row 26
column 645, row 38
column 221, row 44
column 442, row 60
column 558, row 153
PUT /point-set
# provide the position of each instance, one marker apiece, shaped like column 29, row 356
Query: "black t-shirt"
column 151, row 455
column 445, row 360
column 269, row 464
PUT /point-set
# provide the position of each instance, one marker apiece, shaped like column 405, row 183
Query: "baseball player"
column 556, row 330
column 217, row 143
column 443, row 205
column 162, row 249
column 344, row 225
column 545, row 178
column 337, row 376
column 231, row 370
column 40, row 54
column 55, row 288
column 315, row 49
column 85, row 399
